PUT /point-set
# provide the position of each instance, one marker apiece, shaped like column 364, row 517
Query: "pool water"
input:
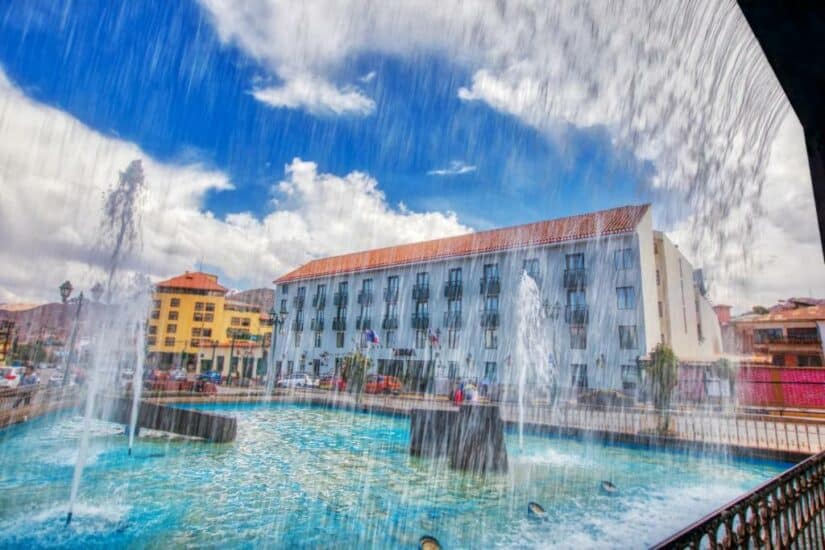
column 305, row 477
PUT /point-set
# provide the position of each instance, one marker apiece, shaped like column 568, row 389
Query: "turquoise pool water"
column 303, row 477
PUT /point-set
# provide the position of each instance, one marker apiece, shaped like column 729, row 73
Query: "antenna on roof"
column 200, row 264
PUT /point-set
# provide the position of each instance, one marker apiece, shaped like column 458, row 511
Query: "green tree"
column 663, row 373
column 354, row 373
column 760, row 310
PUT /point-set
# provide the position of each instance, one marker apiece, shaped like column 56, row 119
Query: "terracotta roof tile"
column 193, row 280
column 605, row 222
column 811, row 313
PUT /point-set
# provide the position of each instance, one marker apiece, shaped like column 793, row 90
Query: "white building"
column 610, row 286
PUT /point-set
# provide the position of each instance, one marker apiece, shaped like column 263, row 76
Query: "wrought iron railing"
column 786, row 512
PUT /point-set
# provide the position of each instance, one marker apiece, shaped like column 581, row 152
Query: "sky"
column 273, row 132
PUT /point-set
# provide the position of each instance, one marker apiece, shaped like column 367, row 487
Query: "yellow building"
column 192, row 318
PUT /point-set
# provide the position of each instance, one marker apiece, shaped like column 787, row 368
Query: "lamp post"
column 66, row 291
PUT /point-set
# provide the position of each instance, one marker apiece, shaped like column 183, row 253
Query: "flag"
column 370, row 337
column 434, row 337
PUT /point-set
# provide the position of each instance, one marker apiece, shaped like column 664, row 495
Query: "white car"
column 10, row 376
column 297, row 380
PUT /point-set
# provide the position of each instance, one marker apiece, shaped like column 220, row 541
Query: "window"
column 420, row 339
column 246, row 322
column 623, row 259
column 151, row 341
column 454, row 275
column 490, row 371
column 302, row 291
column 579, row 379
column 196, row 333
column 452, row 338
column 490, row 338
column 578, row 337
column 210, row 307
column 809, row 361
column 157, row 304
column 421, row 309
column 198, row 317
column 206, row 333
column 390, row 338
column 576, row 298
column 531, row 266
column 366, row 286
column 195, row 343
column 655, row 248
column 317, row 339
column 284, row 289
column 626, row 296
column 153, row 329
column 169, row 342
column 627, row 337
column 804, row 335
column 778, row 360
column 491, row 304
column 283, row 305
column 209, row 317
column 236, row 321
column 422, row 279
column 171, row 329
column 339, row 339
column 156, row 314
column 173, row 315
column 630, row 377
column 296, row 339
column 454, row 307
column 767, row 335
column 661, row 311
column 199, row 306
column 490, row 272
column 391, row 310
column 174, row 302
column 392, row 283
column 452, row 370
column 574, row 261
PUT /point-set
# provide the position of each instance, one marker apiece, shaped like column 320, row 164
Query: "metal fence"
column 786, row 512
column 787, row 434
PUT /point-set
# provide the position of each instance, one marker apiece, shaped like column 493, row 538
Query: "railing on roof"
column 786, row 512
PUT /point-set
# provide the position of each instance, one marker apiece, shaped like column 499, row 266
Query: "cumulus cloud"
column 456, row 168
column 55, row 171
column 316, row 96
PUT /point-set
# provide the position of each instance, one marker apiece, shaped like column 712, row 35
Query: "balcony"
column 489, row 319
column 297, row 325
column 283, row 309
column 317, row 325
column 319, row 301
column 421, row 293
column 452, row 319
column 363, row 323
column 339, row 324
column 298, row 301
column 389, row 323
column 575, row 278
column 490, row 286
column 391, row 295
column 576, row 315
column 340, row 299
column 452, row 290
column 364, row 298
column 421, row 321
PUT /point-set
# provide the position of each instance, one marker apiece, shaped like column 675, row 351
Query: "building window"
column 579, row 379
column 195, row 343
column 174, row 302
column 454, row 275
column 209, row 317
column 627, row 337
column 296, row 339
column 196, row 333
column 778, row 360
column 169, row 342
column 490, row 338
column 390, row 338
column 157, row 304
column 578, row 337
column 490, row 371
column 767, row 335
column 171, row 329
column 452, row 338
column 156, row 314
column 661, row 311
column 199, row 306
column 658, row 278
column 284, row 289
column 809, row 361
column 317, row 339
column 452, row 370
column 210, row 307
column 283, row 305
column 173, row 315
column 236, row 321
column 246, row 322
column 531, row 267
column 153, row 329
column 623, row 259
column 151, row 341
column 576, row 298
column 206, row 333
column 420, row 339
column 422, row 279
column 630, row 377
column 198, row 317
column 490, row 272
column 626, row 297
column 574, row 261
column 339, row 339
column 655, row 248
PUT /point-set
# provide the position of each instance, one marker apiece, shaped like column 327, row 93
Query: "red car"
column 334, row 383
column 379, row 383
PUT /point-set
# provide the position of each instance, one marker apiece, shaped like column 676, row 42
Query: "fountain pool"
column 301, row 476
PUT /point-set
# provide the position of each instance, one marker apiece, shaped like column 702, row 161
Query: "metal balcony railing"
column 319, row 301
column 339, row 323
column 421, row 293
column 317, row 325
column 489, row 319
column 452, row 319
column 340, row 299
column 421, row 321
column 298, row 301
column 389, row 323
column 490, row 286
column 788, row 340
column 575, row 278
column 391, row 295
column 364, row 298
column 452, row 290
column 576, row 315
column 363, row 323
column 297, row 326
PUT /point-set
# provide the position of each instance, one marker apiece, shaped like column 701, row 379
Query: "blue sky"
column 157, row 75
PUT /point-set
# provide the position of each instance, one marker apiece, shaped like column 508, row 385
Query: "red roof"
column 810, row 313
column 196, row 280
column 605, row 222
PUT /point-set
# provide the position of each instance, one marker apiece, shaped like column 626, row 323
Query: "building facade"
column 450, row 308
column 193, row 317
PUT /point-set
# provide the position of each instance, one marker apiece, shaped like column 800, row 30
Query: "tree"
column 663, row 373
column 760, row 310
column 355, row 371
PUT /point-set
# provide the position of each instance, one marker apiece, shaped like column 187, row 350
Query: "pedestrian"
column 27, row 386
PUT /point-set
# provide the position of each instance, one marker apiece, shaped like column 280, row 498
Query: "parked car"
column 330, row 382
column 210, row 376
column 297, row 380
column 379, row 383
column 10, row 376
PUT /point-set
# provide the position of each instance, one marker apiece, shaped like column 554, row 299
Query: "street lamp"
column 277, row 320
column 66, row 291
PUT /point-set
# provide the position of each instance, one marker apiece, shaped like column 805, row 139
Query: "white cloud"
column 316, row 96
column 456, row 168
column 54, row 172
column 369, row 77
